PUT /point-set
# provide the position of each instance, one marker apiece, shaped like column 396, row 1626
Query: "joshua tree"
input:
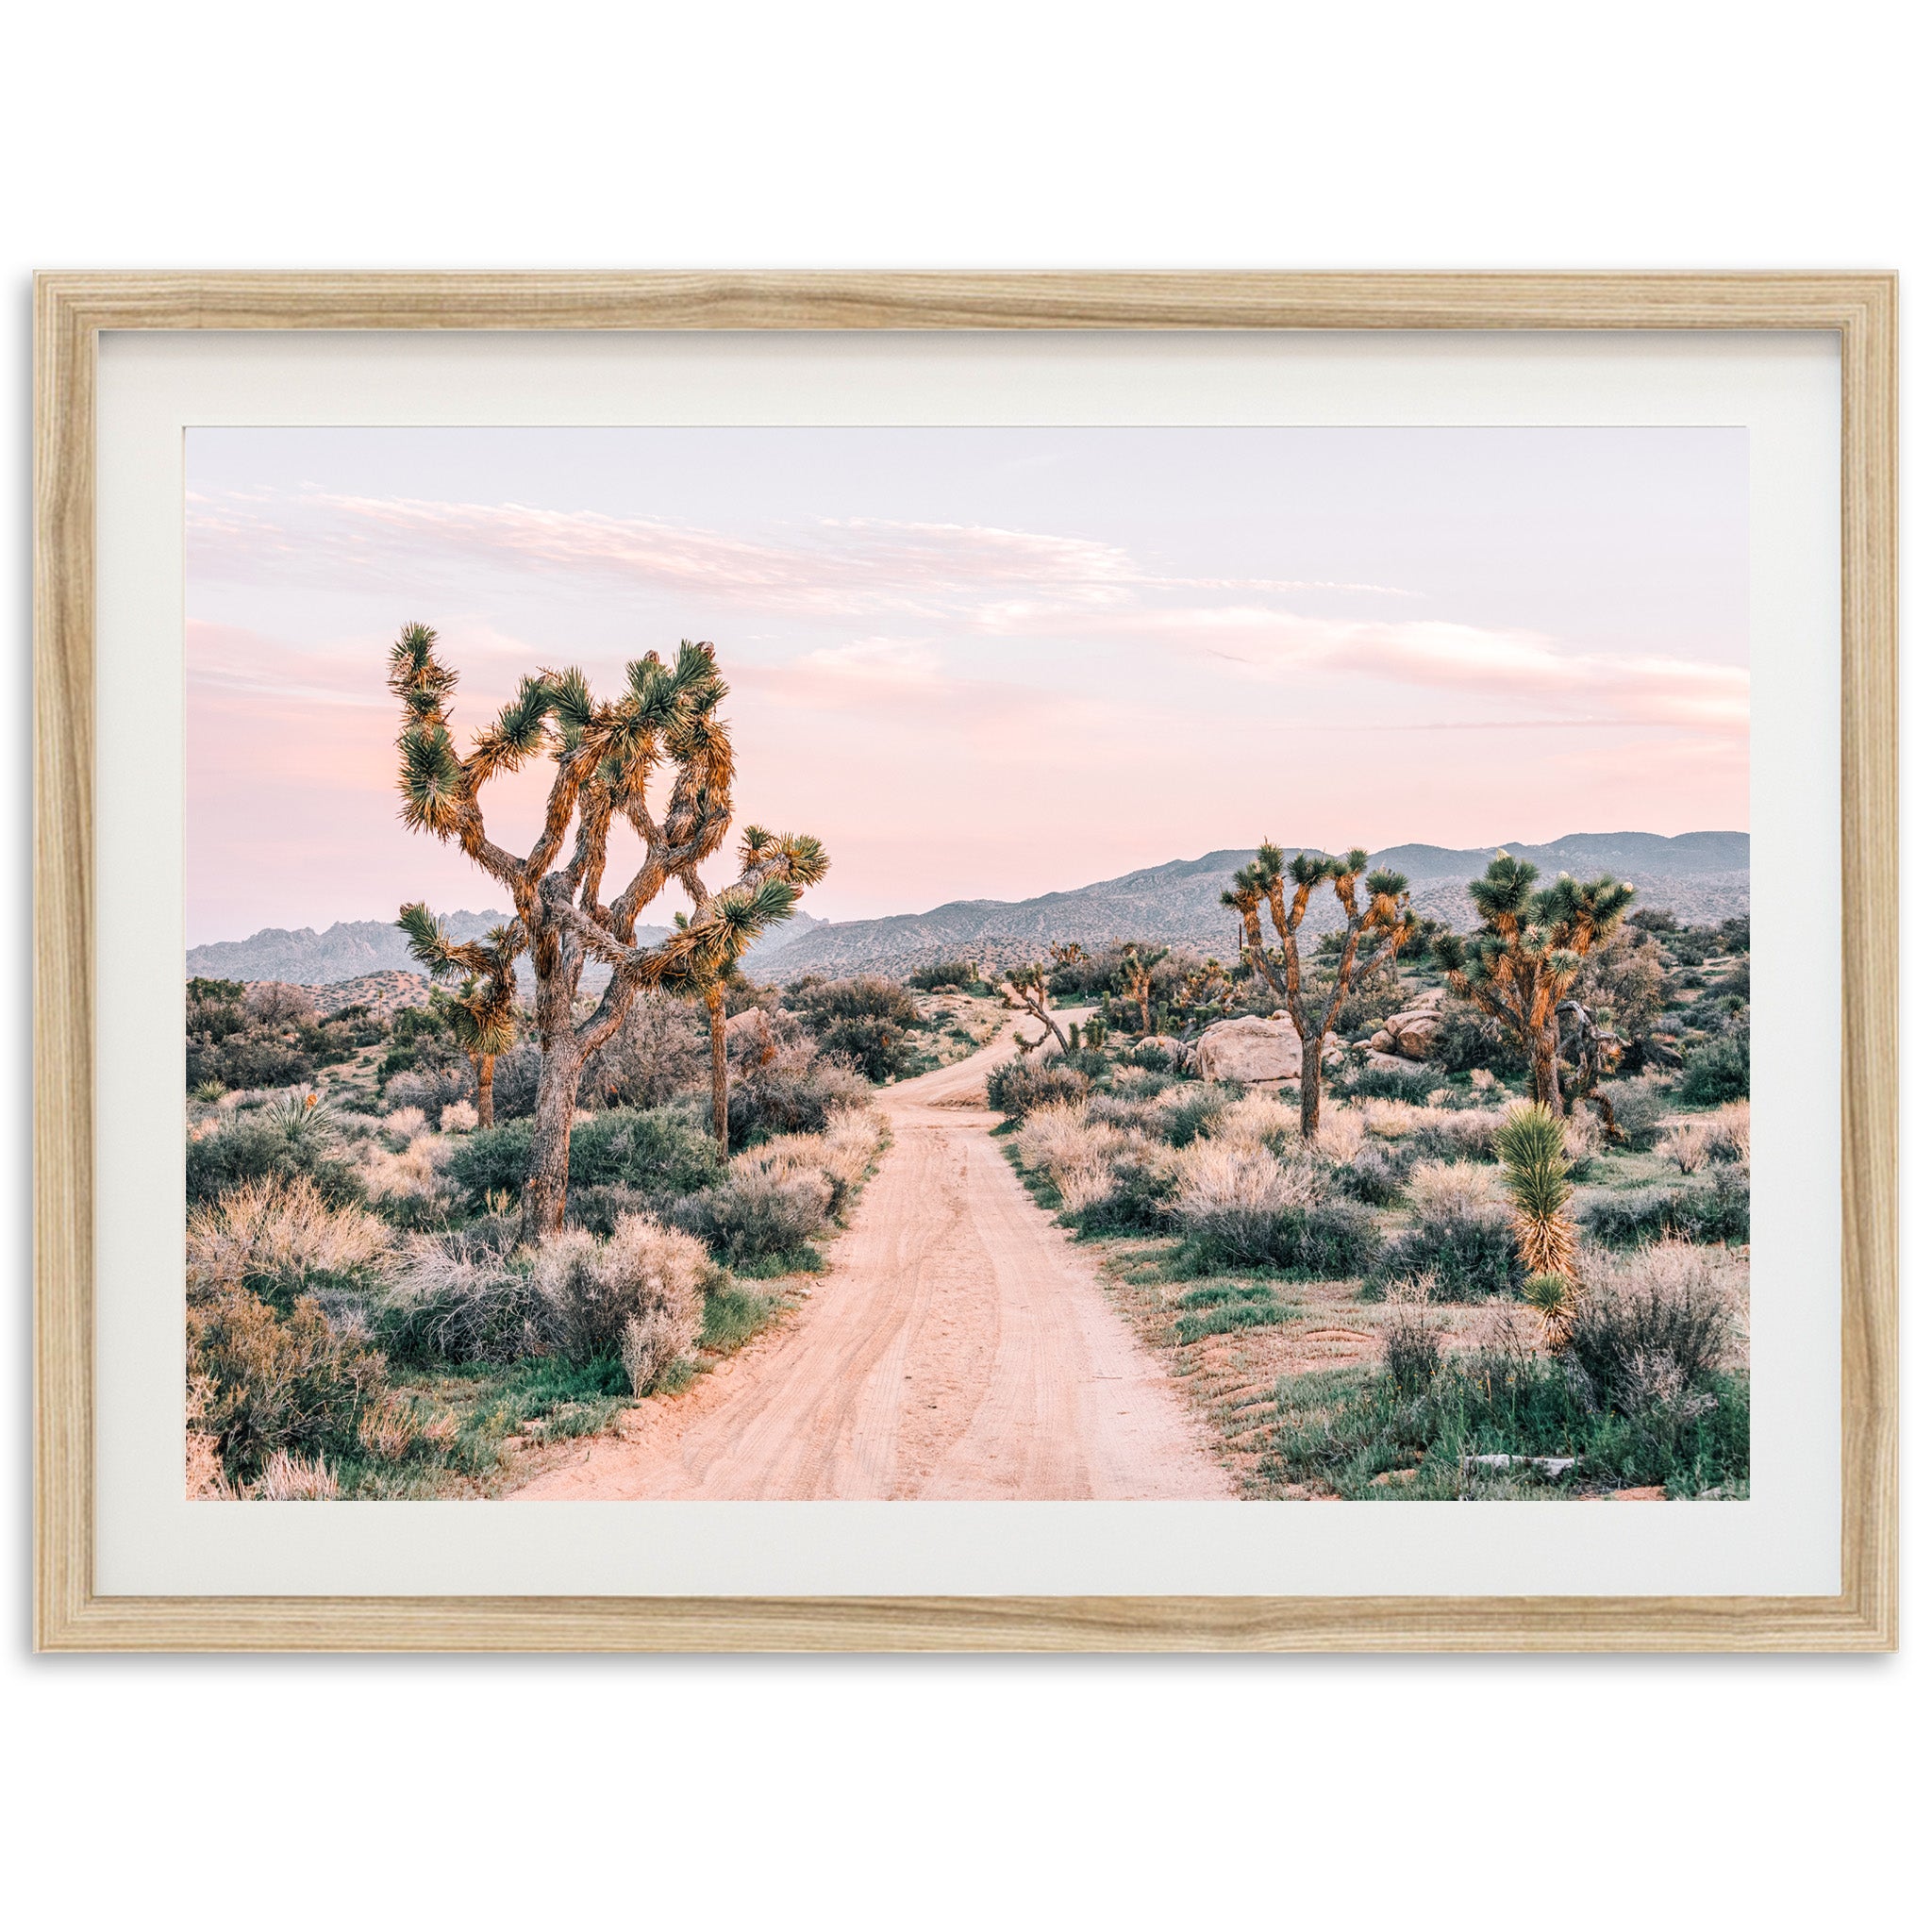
column 708, row 976
column 1530, row 948
column 1384, row 924
column 1137, row 980
column 1026, row 993
column 605, row 755
column 483, row 1010
column 1206, row 993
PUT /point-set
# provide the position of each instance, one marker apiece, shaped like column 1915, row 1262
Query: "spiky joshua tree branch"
column 1026, row 990
column 484, row 1009
column 606, row 755
column 1381, row 923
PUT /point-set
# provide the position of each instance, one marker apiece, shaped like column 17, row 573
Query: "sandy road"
column 959, row 1348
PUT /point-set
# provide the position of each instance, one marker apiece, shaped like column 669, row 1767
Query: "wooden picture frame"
column 72, row 310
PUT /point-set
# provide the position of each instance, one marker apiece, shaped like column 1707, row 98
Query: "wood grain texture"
column 72, row 309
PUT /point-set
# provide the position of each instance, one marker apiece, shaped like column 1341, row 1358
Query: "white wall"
column 1415, row 136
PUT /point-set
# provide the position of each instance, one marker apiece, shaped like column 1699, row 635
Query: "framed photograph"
column 966, row 963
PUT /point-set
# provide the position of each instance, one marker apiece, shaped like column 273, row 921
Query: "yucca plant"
column 1382, row 923
column 1527, row 954
column 483, row 1009
column 302, row 1117
column 1536, row 1174
column 605, row 757
column 1553, row 1301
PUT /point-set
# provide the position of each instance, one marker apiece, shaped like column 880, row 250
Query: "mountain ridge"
column 1701, row 876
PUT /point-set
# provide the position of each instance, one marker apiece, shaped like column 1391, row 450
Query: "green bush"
column 1326, row 1243
column 876, row 1046
column 656, row 1151
column 948, row 974
column 1345, row 1429
column 1388, row 1083
column 261, row 1381
column 1718, row 1071
column 757, row 1217
column 1138, row 1202
column 791, row 1100
column 1472, row 1255
column 1718, row 1212
column 251, row 1148
column 1017, row 1086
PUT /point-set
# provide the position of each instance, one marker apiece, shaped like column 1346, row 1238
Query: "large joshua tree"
column 1382, row 923
column 483, row 1009
column 1526, row 954
column 606, row 755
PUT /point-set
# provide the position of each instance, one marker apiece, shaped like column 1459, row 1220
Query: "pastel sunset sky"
column 978, row 662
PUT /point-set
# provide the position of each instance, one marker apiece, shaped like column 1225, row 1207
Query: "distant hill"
column 353, row 949
column 1702, row 877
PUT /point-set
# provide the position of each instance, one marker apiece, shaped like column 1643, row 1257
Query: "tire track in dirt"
column 961, row 1347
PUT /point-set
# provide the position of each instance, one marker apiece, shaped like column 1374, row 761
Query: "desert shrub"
column 1639, row 1107
column 1259, row 1119
column 1138, row 1199
column 466, row 1296
column 1347, row 1429
column 1718, row 1211
column 757, row 1216
column 433, row 1087
column 412, row 1186
column 600, row 1207
column 1411, row 1349
column 1718, row 1071
column 248, row 1057
column 638, row 1295
column 1727, row 1132
column 659, row 1150
column 1241, row 1208
column 281, row 1239
column 1441, row 1187
column 459, row 1117
column 944, row 973
column 1388, row 1083
column 876, row 1047
column 802, row 1097
column 263, row 1382
column 662, row 1048
column 403, row 1123
column 250, row 1148
column 1017, row 1086
column 287, row 1478
column 1687, row 1146
column 825, row 1003
column 1460, row 1134
column 1470, row 1042
column 1467, row 1246
column 1373, row 1172
column 1649, row 1332
column 513, row 1088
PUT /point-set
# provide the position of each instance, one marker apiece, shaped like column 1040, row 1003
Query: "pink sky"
column 979, row 663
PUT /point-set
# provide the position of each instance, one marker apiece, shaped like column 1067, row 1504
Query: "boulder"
column 1412, row 1034
column 1258, row 1052
column 1255, row 1051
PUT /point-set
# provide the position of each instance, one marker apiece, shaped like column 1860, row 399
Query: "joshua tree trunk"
column 547, row 1181
column 1542, row 1063
column 486, row 1089
column 721, row 1095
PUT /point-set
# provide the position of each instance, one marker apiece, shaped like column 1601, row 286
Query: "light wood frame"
column 72, row 309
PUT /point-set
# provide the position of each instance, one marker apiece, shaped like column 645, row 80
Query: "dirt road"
column 961, row 1347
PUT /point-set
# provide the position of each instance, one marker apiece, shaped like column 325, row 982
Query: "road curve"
column 959, row 1348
